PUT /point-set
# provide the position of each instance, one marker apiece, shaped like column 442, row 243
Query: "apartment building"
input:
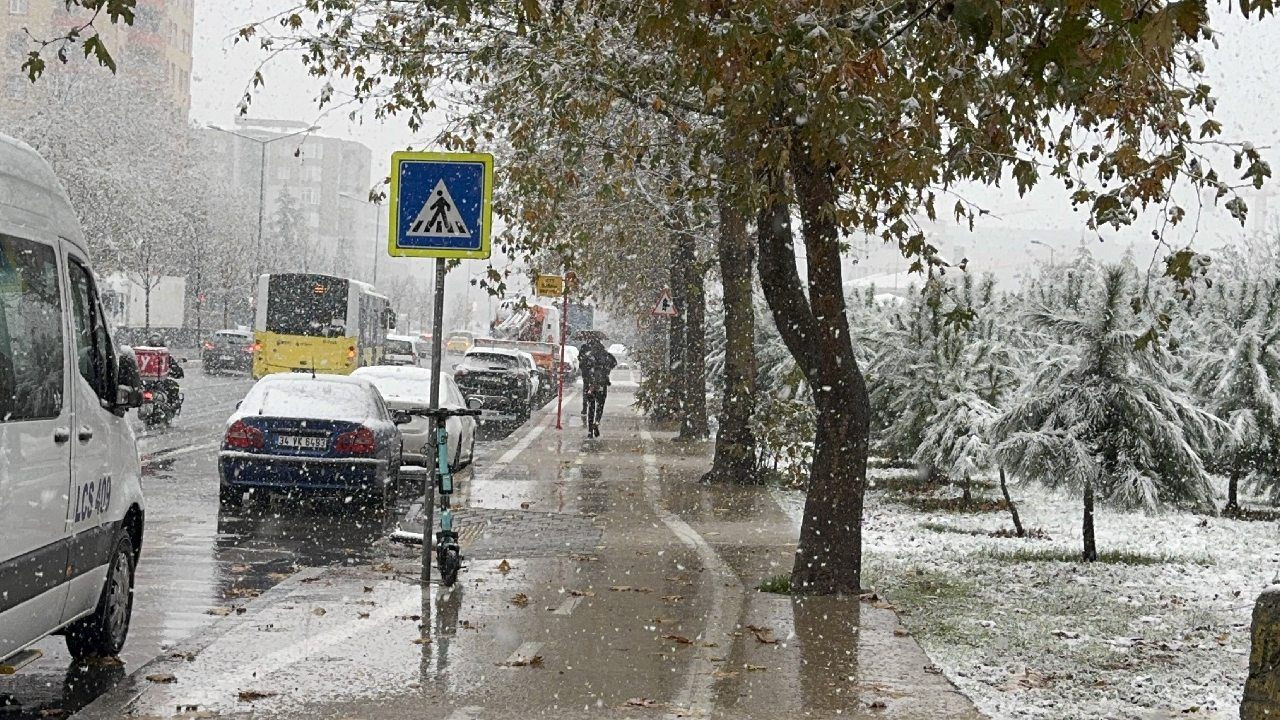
column 158, row 44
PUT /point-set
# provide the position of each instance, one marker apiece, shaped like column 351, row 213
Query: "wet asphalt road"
column 196, row 561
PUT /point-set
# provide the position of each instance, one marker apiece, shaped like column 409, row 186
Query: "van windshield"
column 30, row 331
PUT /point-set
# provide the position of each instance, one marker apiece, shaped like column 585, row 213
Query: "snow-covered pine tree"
column 1236, row 371
column 1113, row 422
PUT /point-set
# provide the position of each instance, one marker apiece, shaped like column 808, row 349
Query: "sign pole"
column 429, row 492
column 564, row 330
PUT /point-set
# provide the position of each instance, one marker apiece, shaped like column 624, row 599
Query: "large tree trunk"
column 1090, row 553
column 1013, row 509
column 735, row 458
column 694, row 421
column 1233, row 493
column 816, row 331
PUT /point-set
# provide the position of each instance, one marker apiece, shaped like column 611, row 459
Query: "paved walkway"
column 603, row 581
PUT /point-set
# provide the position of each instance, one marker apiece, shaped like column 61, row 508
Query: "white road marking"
column 467, row 712
column 161, row 455
column 523, row 444
column 567, row 606
column 524, row 654
column 698, row 693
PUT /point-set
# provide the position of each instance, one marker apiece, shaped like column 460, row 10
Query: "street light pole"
column 1049, row 247
column 262, row 182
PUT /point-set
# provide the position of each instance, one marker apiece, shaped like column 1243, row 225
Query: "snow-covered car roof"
column 31, row 196
column 322, row 397
column 402, row 386
column 404, row 338
column 485, row 350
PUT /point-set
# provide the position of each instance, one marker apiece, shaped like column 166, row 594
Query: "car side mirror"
column 474, row 403
column 239, row 403
column 401, row 417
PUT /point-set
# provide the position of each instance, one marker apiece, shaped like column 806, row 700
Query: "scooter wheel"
column 450, row 564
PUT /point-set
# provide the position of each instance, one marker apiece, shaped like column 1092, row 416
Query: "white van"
column 71, row 507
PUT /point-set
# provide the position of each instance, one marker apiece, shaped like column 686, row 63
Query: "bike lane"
column 602, row 581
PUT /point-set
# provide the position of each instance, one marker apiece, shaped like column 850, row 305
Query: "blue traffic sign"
column 441, row 205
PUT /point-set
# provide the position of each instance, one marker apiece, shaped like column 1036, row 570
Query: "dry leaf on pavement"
column 763, row 634
column 218, row 611
column 535, row 661
column 252, row 695
column 641, row 702
column 582, row 593
column 318, row 611
column 678, row 638
column 162, row 678
column 520, row 600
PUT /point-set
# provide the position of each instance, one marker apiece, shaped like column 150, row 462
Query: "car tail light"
column 241, row 435
column 357, row 442
column 148, row 396
column 208, row 346
column 256, row 347
column 351, row 353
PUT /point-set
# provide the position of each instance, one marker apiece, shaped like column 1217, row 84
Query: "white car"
column 404, row 389
column 620, row 352
column 71, row 507
column 535, row 376
column 400, row 350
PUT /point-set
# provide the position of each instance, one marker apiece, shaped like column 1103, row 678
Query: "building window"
column 309, row 197
column 18, row 7
column 17, row 43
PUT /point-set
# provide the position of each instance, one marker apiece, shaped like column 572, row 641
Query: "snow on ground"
column 1164, row 636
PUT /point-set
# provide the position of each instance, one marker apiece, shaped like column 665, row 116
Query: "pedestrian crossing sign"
column 441, row 205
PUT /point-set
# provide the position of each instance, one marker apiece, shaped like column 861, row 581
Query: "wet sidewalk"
column 603, row 581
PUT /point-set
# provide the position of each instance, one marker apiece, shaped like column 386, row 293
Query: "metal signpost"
column 441, row 207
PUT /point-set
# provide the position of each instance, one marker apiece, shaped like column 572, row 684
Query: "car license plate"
column 303, row 442
column 226, row 357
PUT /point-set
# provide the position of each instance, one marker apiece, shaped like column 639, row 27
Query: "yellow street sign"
column 549, row 285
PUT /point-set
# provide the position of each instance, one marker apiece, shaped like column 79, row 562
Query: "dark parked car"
column 228, row 351
column 500, row 380
column 324, row 434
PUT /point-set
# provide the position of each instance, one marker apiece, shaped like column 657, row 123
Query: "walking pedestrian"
column 597, row 364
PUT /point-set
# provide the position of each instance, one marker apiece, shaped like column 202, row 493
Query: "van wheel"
column 103, row 633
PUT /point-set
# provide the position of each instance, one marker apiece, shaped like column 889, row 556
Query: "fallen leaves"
column 504, row 567
column 162, row 678
column 318, row 611
column 254, row 695
column 582, row 593
column 533, row 662
column 384, row 567
column 362, row 615
column 628, row 588
column 520, row 600
column 763, row 634
column 641, row 702
column 754, row 668
column 219, row 611
column 672, row 598
column 680, row 639
column 422, row 641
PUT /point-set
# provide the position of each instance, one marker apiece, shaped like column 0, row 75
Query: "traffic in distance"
column 336, row 404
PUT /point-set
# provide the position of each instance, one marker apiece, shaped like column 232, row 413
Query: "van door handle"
column 61, row 435
column 85, row 434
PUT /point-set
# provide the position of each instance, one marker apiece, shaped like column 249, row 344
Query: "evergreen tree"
column 1111, row 422
column 1237, row 374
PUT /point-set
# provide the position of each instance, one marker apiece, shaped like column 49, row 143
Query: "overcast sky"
column 1240, row 70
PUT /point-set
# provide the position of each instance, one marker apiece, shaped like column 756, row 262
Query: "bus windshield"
column 312, row 305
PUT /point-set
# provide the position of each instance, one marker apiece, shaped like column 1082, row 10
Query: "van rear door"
column 35, row 441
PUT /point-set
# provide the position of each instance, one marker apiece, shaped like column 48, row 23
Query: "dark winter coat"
column 597, row 363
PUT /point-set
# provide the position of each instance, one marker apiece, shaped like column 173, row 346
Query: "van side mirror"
column 474, row 403
column 128, row 383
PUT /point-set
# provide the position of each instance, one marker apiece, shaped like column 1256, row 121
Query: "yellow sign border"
column 486, row 209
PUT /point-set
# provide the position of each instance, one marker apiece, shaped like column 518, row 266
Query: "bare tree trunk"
column 146, row 307
column 1233, row 493
column 735, row 458
column 967, row 496
column 694, row 421
column 1013, row 509
column 816, row 331
column 1090, row 545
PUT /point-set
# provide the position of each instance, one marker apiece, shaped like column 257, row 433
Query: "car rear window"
column 230, row 340
column 490, row 361
column 399, row 347
column 318, row 398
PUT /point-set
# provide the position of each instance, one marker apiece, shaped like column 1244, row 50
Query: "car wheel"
column 103, row 633
column 230, row 496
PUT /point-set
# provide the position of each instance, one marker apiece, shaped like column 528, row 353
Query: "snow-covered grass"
column 1158, row 628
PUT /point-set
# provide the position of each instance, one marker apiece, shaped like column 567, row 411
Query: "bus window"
column 311, row 305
